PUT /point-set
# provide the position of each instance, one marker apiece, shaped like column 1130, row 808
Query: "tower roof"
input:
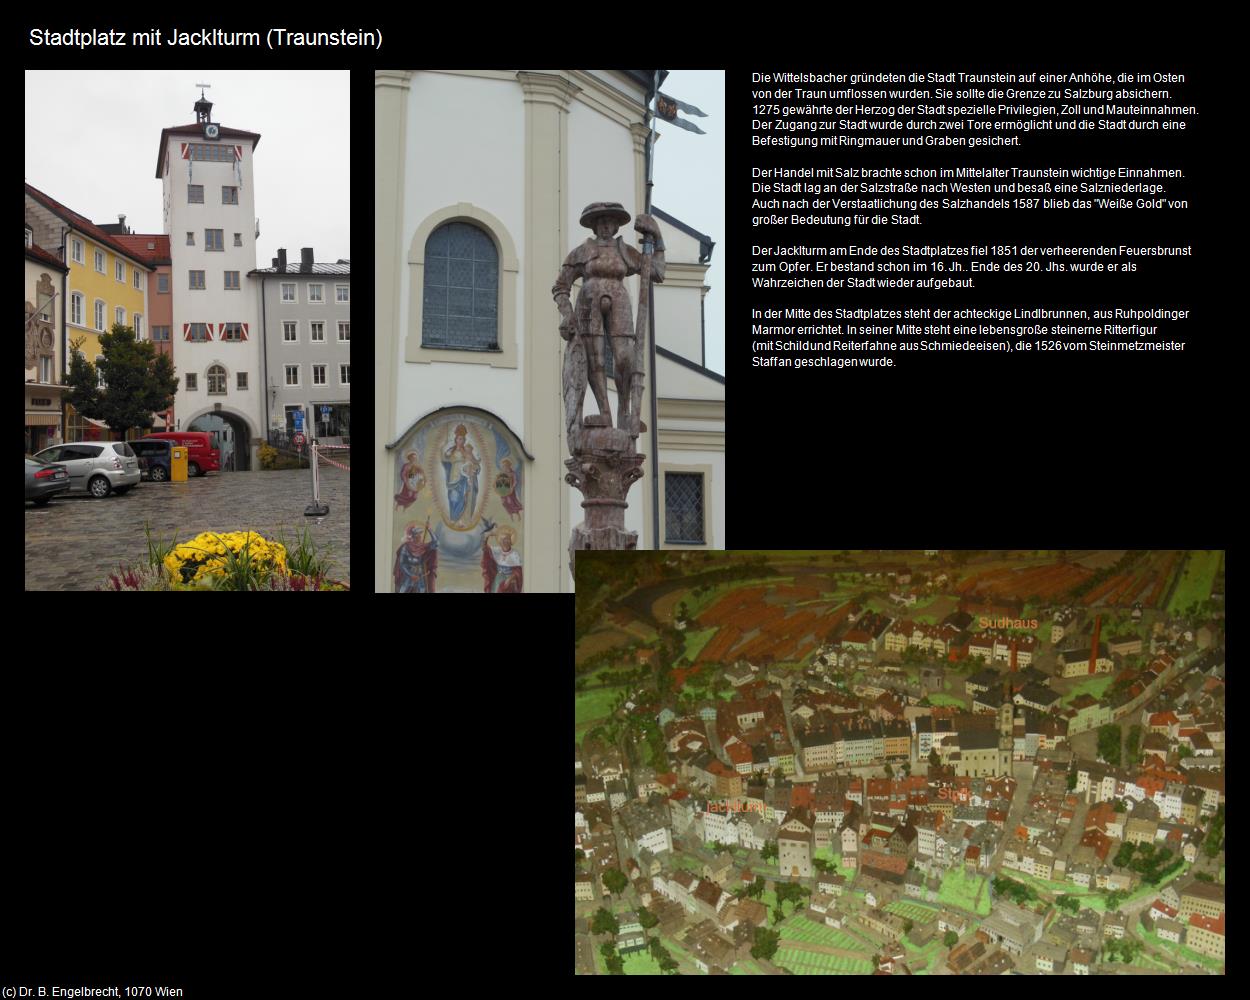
column 197, row 129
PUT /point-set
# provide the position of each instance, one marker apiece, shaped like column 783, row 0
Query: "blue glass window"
column 460, row 300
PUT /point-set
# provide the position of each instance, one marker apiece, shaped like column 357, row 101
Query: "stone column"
column 547, row 98
column 390, row 115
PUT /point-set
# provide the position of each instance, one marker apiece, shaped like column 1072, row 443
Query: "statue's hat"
column 611, row 208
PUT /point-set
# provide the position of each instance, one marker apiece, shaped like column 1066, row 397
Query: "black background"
column 307, row 807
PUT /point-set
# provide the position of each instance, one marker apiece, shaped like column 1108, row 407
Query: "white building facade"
column 205, row 171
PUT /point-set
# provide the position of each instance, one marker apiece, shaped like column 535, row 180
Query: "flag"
column 667, row 107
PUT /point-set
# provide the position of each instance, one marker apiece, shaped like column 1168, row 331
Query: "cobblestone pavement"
column 76, row 541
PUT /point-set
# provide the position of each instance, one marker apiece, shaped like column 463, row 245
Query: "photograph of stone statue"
column 548, row 266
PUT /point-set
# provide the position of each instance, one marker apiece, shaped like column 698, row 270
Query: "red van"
column 203, row 455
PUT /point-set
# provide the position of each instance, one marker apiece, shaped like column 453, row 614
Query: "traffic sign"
column 298, row 417
column 325, row 411
column 298, row 440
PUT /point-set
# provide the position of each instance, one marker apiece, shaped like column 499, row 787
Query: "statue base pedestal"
column 603, row 468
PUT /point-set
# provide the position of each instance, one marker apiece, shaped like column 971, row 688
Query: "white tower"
column 206, row 173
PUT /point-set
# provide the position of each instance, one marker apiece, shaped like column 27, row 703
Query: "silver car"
column 96, row 467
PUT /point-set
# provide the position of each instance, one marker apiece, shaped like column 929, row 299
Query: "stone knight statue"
column 604, row 462
column 603, row 319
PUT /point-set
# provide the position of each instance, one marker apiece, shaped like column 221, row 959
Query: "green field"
column 916, row 912
column 1094, row 686
column 1179, row 951
column 592, row 705
column 695, row 606
column 960, row 889
column 807, row 930
column 807, row 963
column 1196, row 579
column 946, row 699
column 641, row 963
column 695, row 641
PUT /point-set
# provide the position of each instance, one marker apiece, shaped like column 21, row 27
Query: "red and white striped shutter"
column 238, row 152
column 209, row 328
column 186, row 331
column 245, row 331
column 186, row 151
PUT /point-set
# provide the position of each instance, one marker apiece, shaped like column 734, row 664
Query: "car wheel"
column 194, row 470
column 99, row 487
column 158, row 473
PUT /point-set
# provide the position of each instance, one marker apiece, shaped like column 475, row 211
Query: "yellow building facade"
column 106, row 286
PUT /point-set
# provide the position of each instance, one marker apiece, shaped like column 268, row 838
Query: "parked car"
column 44, row 481
column 155, row 458
column 203, row 455
column 98, row 467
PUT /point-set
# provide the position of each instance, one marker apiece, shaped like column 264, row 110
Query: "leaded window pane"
column 683, row 499
column 461, row 289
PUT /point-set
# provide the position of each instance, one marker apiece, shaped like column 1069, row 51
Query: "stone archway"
column 234, row 435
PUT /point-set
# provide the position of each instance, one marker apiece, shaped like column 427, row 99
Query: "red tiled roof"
column 1215, row 924
column 35, row 252
column 137, row 244
column 80, row 222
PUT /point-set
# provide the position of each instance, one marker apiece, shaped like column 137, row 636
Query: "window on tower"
column 217, row 380
column 213, row 240
column 195, row 194
column 212, row 151
column 232, row 280
column 229, row 195
column 196, row 279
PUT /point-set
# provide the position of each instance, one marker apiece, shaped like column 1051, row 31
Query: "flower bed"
column 237, row 560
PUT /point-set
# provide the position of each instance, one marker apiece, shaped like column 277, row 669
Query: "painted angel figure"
column 508, row 485
column 412, row 477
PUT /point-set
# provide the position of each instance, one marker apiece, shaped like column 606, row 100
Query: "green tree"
column 907, row 926
column 137, row 382
column 766, row 943
column 647, row 918
column 1072, row 780
column 934, row 759
column 1109, row 744
column 604, row 923
column 950, row 939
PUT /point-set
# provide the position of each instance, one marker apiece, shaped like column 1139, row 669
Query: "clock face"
column 210, row 131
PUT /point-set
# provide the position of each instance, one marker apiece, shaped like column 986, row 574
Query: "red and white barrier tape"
column 331, row 461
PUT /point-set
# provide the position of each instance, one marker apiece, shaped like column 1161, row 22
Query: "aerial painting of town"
column 920, row 762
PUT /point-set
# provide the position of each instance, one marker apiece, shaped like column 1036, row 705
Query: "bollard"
column 316, row 508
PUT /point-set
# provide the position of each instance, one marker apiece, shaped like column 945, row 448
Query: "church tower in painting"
column 1006, row 730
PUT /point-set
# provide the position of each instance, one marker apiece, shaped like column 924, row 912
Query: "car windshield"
column 123, row 448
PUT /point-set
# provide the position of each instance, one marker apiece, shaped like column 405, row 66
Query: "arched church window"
column 460, row 304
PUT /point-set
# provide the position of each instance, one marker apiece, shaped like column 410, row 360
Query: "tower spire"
column 203, row 107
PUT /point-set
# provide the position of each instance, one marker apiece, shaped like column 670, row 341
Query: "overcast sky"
column 92, row 139
column 690, row 184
